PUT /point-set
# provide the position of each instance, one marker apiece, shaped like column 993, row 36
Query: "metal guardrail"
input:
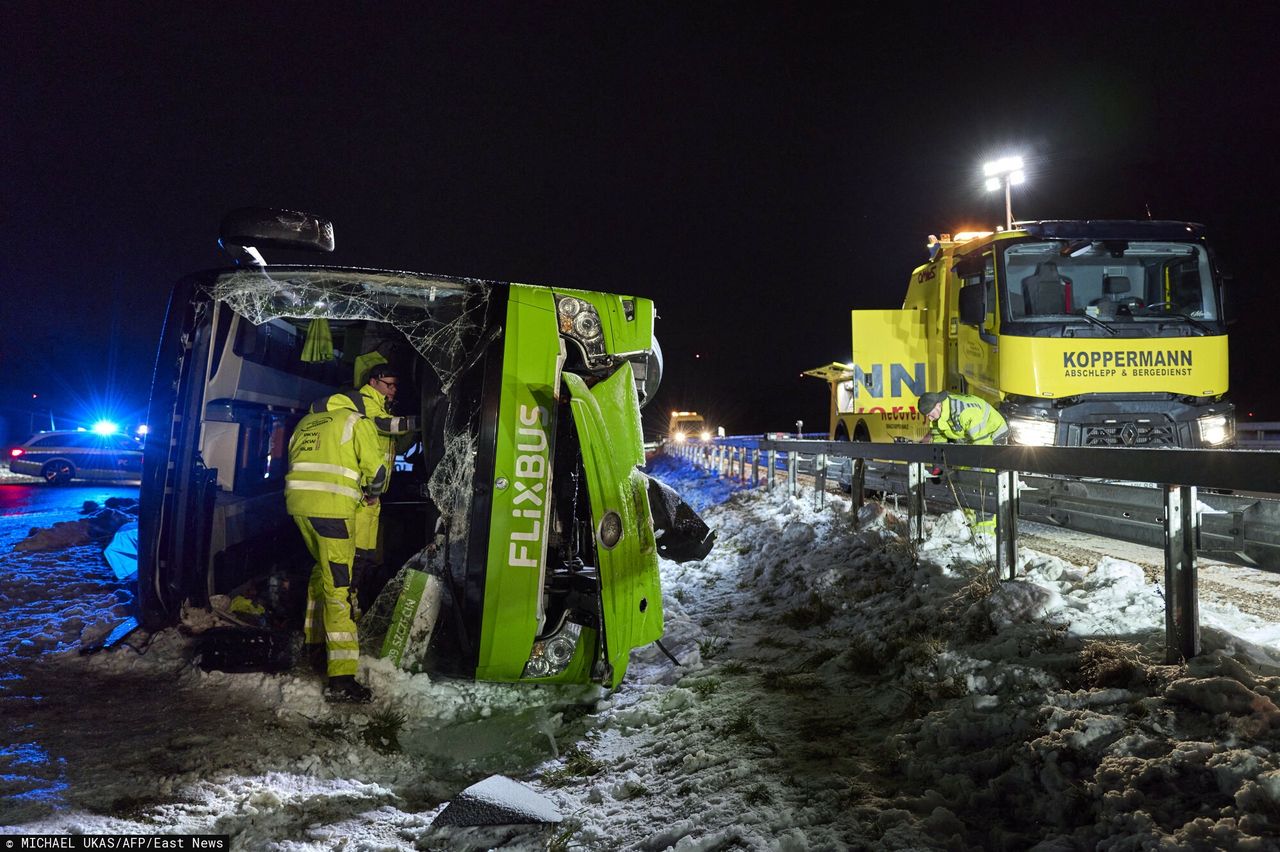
column 1257, row 436
column 1177, row 473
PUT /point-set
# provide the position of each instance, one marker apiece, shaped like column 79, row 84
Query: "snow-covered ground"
column 838, row 687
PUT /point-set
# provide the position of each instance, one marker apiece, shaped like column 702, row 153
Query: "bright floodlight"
column 142, row 430
column 105, row 427
column 1002, row 166
column 1001, row 174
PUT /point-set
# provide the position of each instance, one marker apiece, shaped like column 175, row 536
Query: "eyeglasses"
column 387, row 383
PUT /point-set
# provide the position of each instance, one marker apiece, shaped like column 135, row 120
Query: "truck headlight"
column 1216, row 429
column 706, row 436
column 552, row 655
column 1032, row 431
column 678, row 437
column 580, row 322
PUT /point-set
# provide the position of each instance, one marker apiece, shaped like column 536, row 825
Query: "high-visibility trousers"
column 368, row 549
column 331, row 542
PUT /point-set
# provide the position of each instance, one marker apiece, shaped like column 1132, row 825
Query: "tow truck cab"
column 1084, row 333
column 523, row 495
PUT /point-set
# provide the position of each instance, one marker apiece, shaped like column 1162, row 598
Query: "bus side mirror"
column 973, row 304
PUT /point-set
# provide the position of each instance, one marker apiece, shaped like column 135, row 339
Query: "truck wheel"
column 58, row 472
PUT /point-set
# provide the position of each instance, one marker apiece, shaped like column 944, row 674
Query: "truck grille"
column 1130, row 433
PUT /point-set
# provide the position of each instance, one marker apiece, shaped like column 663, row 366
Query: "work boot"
column 345, row 689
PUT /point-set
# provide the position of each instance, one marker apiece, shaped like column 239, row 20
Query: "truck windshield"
column 1131, row 281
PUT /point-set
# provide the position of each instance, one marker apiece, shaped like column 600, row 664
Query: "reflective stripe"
column 340, row 637
column 336, row 469
column 349, row 427
column 338, row 654
column 379, row 482
column 329, row 487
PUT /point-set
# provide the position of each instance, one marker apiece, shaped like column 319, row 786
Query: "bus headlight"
column 1216, row 429
column 579, row 321
column 552, row 655
column 1032, row 431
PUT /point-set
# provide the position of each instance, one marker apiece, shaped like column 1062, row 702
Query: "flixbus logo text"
column 904, row 380
column 529, row 504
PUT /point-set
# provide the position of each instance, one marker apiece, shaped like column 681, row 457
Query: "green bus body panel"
column 608, row 421
column 518, row 530
column 620, row 334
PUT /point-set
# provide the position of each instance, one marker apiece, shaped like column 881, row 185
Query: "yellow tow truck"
column 1082, row 332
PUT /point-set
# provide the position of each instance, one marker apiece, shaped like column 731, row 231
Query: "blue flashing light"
column 105, row 427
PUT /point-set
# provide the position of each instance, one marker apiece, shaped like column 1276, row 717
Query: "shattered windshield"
column 1107, row 279
column 437, row 315
column 443, row 320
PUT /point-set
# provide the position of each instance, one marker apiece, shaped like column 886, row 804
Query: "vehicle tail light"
column 16, row 451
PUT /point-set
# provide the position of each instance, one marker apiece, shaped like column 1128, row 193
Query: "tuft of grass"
column 578, row 764
column 711, row 645
column 782, row 680
column 1106, row 663
column 906, row 548
column 813, row 613
column 758, row 795
column 382, row 734
column 706, row 687
column 921, row 649
column 743, row 726
column 733, row 667
column 561, row 839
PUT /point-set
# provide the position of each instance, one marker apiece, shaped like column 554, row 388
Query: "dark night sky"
column 757, row 170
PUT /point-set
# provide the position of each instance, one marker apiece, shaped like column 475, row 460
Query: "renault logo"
column 1128, row 434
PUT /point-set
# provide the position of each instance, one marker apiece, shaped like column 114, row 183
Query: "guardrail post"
column 772, row 475
column 915, row 500
column 1181, row 599
column 755, row 468
column 819, row 481
column 857, row 484
column 1007, row 524
column 793, row 468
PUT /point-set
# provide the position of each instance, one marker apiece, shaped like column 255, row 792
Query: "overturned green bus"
column 523, row 497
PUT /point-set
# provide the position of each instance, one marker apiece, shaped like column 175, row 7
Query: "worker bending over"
column 959, row 418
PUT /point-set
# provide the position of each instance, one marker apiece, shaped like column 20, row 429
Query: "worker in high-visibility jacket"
column 962, row 419
column 337, row 463
column 373, row 400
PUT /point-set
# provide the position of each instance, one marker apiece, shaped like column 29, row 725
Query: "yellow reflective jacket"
column 373, row 405
column 968, row 420
column 336, row 459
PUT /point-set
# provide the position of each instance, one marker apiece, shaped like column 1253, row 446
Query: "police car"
column 59, row 457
